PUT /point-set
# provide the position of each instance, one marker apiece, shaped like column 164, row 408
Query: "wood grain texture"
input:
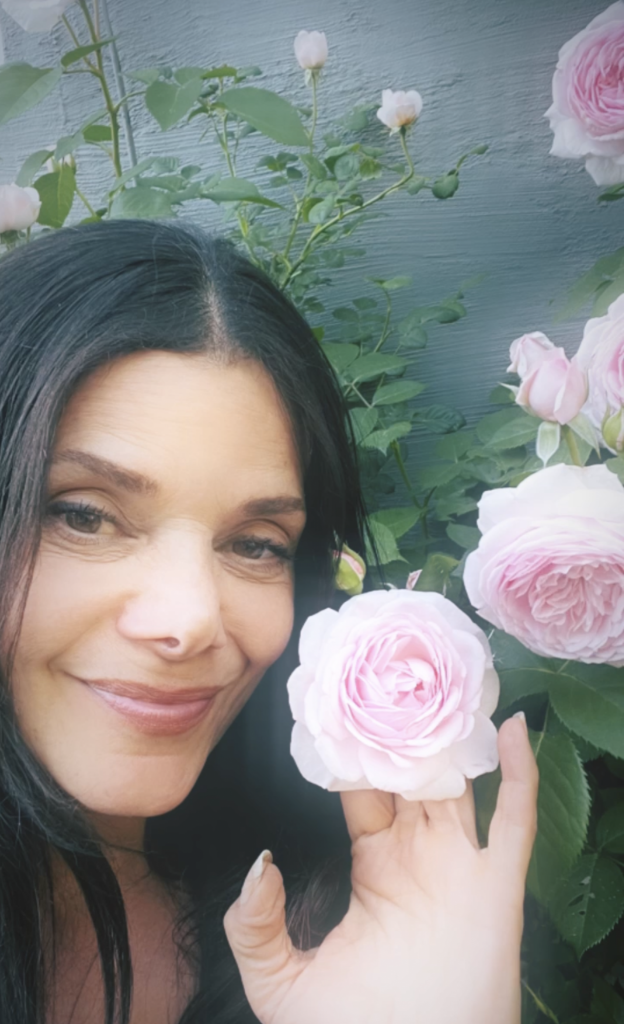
column 526, row 220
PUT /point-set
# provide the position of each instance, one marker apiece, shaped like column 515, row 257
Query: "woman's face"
column 163, row 587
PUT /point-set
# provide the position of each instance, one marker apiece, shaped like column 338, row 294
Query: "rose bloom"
column 555, row 387
column 311, row 49
column 36, row 15
column 394, row 692
column 19, row 207
column 601, row 354
column 527, row 352
column 399, row 109
column 549, row 568
column 587, row 113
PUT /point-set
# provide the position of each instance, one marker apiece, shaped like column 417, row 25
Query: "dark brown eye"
column 83, row 522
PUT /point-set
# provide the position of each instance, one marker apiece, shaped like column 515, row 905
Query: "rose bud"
column 19, row 207
column 555, row 389
column 311, row 50
column 399, row 109
column 350, row 572
column 526, row 352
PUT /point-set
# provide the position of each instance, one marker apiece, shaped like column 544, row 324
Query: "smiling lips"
column 155, row 711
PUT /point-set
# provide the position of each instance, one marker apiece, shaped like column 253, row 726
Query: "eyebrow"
column 138, row 483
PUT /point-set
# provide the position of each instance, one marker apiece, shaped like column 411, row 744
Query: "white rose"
column 399, row 109
column 19, row 207
column 311, row 49
column 36, row 15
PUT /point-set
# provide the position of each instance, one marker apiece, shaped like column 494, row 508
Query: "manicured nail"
column 521, row 715
column 255, row 874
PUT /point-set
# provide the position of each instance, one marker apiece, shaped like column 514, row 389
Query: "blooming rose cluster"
column 394, row 692
column 591, row 384
column 587, row 112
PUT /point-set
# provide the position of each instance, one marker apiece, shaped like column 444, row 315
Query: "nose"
column 175, row 605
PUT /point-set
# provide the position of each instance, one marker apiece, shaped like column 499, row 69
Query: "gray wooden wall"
column 527, row 221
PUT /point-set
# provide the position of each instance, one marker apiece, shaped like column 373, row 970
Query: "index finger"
column 514, row 825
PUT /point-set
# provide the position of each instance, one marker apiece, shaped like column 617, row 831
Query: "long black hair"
column 70, row 302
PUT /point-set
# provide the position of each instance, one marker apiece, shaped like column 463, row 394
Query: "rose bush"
column 549, row 568
column 36, row 15
column 394, row 692
column 19, row 207
column 587, row 112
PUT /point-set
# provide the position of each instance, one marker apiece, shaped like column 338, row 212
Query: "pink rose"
column 587, row 113
column 394, row 692
column 549, row 568
column 19, row 207
column 311, row 49
column 555, row 387
column 527, row 352
column 412, row 579
column 601, row 354
column 399, row 109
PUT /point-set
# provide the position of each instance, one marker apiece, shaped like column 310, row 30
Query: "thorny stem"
column 343, row 214
column 100, row 74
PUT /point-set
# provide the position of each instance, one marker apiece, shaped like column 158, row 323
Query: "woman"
column 170, row 436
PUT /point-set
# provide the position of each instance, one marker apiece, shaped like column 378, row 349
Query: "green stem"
column 386, row 326
column 543, row 732
column 541, row 1005
column 314, row 109
column 396, row 451
column 570, row 440
column 76, row 41
column 86, row 202
column 108, row 100
column 321, row 228
column 359, row 394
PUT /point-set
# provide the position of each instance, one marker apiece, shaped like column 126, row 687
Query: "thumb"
column 255, row 926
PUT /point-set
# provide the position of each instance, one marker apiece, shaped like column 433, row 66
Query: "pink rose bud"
column 311, row 50
column 549, row 569
column 587, row 112
column 613, row 431
column 601, row 355
column 19, row 207
column 394, row 692
column 350, row 572
column 555, row 389
column 526, row 352
column 399, row 109
column 412, row 579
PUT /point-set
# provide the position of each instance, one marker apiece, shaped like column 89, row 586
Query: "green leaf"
column 322, row 211
column 439, row 419
column 508, row 428
column 142, row 202
column 238, row 190
column 382, row 439
column 446, row 186
column 68, row 144
column 83, row 51
column 223, row 71
column 521, row 682
column 392, row 284
column 56, row 191
column 364, row 422
column 548, row 440
column 386, row 544
column 146, row 75
column 398, row 391
column 133, row 172
column 589, row 700
column 168, row 103
column 184, row 75
column 373, row 365
column 562, row 812
column 411, row 331
column 610, row 830
column 340, row 356
column 416, row 184
column 590, row 902
column 398, row 520
column 269, row 113
column 31, row 165
column 23, row 86
column 467, row 537
column 436, row 573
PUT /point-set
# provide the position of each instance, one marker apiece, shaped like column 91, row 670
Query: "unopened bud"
column 613, row 431
column 350, row 572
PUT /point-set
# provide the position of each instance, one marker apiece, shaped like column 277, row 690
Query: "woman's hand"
column 433, row 930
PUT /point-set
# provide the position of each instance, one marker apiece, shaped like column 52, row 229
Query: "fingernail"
column 254, row 875
column 521, row 715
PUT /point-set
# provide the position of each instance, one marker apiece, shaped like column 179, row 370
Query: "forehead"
column 184, row 420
